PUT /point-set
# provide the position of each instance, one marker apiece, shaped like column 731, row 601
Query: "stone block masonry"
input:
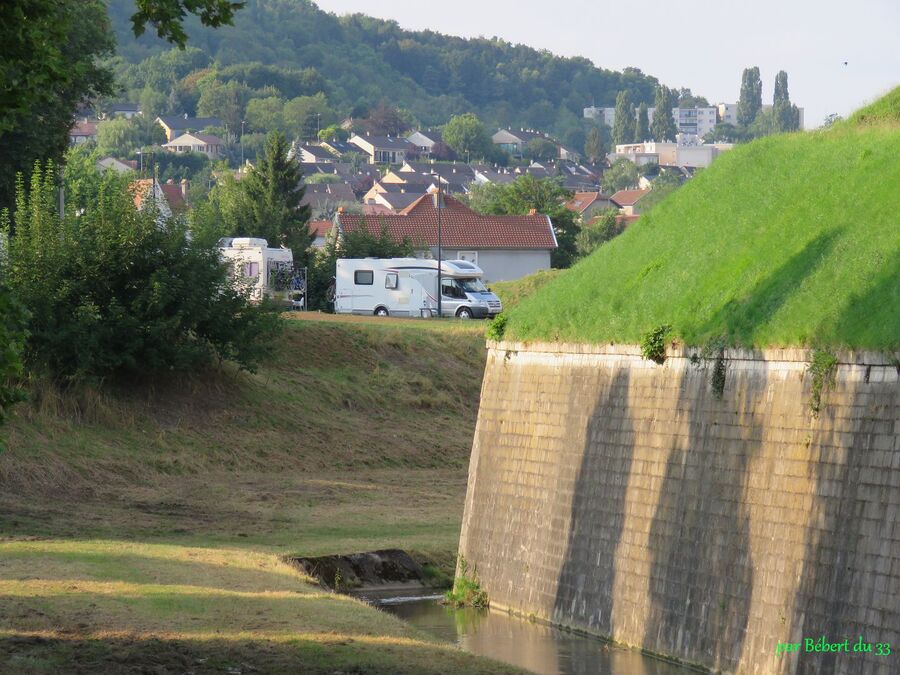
column 624, row 498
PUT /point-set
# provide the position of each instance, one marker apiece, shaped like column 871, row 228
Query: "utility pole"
column 440, row 206
column 243, row 122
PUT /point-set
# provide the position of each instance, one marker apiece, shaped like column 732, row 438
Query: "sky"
column 703, row 44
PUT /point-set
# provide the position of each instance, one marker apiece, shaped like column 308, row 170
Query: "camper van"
column 267, row 271
column 408, row 287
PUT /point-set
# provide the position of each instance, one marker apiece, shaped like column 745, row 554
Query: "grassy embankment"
column 142, row 529
column 789, row 240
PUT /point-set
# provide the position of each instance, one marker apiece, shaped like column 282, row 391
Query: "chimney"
column 437, row 198
column 532, row 212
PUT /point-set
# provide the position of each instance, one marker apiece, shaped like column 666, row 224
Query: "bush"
column 653, row 344
column 496, row 328
column 466, row 591
column 117, row 290
column 12, row 336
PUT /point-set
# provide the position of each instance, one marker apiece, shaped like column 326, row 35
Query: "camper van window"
column 364, row 277
column 472, row 285
column 451, row 290
column 391, row 280
column 251, row 269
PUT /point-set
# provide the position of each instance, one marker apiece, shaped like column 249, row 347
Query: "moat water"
column 529, row 645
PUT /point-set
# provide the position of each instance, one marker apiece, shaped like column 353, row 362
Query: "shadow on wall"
column 701, row 574
column 586, row 580
column 842, row 594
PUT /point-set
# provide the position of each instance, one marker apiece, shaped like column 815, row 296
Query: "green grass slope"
column 792, row 240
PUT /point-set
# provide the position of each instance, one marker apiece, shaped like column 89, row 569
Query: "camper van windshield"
column 472, row 285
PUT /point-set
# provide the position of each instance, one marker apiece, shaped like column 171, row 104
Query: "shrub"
column 822, row 368
column 653, row 344
column 466, row 590
column 12, row 336
column 496, row 328
column 117, row 290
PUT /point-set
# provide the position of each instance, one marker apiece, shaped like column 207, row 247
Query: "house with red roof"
column 505, row 247
column 627, row 201
column 589, row 204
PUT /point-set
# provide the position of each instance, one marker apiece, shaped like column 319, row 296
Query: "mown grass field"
column 792, row 240
column 142, row 529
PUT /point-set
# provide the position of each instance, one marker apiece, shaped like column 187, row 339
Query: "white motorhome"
column 267, row 271
column 408, row 287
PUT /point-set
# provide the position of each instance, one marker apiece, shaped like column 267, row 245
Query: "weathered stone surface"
column 621, row 497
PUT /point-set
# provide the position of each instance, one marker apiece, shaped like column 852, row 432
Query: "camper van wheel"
column 381, row 311
column 464, row 313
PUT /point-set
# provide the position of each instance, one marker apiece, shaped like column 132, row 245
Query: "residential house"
column 176, row 125
column 338, row 148
column 516, row 142
column 203, row 143
column 82, row 132
column 117, row 165
column 324, row 198
column 589, row 204
column 312, row 154
column 627, row 201
column 425, row 140
column 505, row 247
column 320, row 229
column 126, row 110
column 170, row 198
column 383, row 149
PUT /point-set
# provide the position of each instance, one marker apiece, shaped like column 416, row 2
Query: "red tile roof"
column 461, row 227
column 320, row 228
column 581, row 201
column 628, row 197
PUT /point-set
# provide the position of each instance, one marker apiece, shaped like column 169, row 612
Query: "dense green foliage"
column 13, row 319
column 167, row 16
column 597, row 232
column 359, row 61
column 467, row 137
column 624, row 130
column 545, row 196
column 789, row 240
column 750, row 101
column 116, row 291
column 49, row 68
column 663, row 126
column 265, row 203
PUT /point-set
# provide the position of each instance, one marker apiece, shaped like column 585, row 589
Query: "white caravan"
column 408, row 287
column 266, row 271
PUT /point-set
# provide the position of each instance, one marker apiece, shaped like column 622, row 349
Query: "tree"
column 13, row 320
column 334, row 132
column 750, row 101
column 764, row 124
column 642, row 133
column 115, row 290
column 225, row 100
column 265, row 114
column 51, row 64
column 782, row 108
column 663, row 127
column 541, row 149
column 624, row 123
column 597, row 232
column 386, row 120
column 274, row 194
column 545, row 196
column 467, row 136
column 167, row 16
column 594, row 147
column 305, row 115
column 622, row 175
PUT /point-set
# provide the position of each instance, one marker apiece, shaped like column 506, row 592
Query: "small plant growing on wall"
column 466, row 590
column 653, row 344
column 496, row 328
column 714, row 351
column 822, row 368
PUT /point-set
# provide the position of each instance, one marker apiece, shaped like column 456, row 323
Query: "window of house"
column 364, row 277
column 251, row 269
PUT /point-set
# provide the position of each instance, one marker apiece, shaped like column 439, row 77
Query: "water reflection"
column 535, row 647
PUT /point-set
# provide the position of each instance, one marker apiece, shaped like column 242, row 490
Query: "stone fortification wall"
column 625, row 498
